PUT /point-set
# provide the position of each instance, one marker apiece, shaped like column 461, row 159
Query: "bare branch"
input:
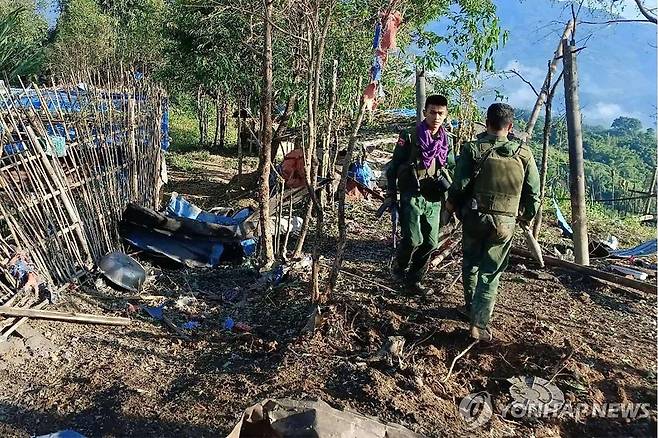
column 523, row 79
column 644, row 11
column 614, row 21
column 557, row 81
column 274, row 25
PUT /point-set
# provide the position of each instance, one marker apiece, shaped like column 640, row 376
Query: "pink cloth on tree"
column 391, row 26
column 370, row 96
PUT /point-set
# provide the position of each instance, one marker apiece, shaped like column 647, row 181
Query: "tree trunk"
column 576, row 164
column 544, row 155
column 223, row 121
column 326, row 138
column 199, row 115
column 420, row 94
column 217, row 122
column 342, row 229
column 266, row 141
column 239, row 138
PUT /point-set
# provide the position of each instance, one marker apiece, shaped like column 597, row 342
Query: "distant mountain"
column 617, row 69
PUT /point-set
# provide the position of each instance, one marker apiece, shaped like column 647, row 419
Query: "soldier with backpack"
column 496, row 184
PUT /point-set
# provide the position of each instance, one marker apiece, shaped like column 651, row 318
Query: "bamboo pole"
column 64, row 316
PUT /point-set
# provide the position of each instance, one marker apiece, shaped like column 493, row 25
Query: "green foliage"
column 618, row 162
column 625, row 126
column 84, row 37
column 22, row 33
column 184, row 128
column 138, row 28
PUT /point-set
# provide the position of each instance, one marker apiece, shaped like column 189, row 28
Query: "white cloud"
column 532, row 74
column 603, row 113
column 522, row 97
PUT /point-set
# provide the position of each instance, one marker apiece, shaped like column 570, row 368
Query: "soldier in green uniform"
column 496, row 184
column 415, row 175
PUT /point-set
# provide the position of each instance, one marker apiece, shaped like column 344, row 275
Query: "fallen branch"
column 452, row 283
column 63, row 316
column 360, row 277
column 452, row 365
column 592, row 272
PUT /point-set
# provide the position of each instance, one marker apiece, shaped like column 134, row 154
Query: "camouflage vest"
column 497, row 188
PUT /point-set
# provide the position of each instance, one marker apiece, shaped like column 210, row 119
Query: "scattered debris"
column 392, row 350
column 634, row 273
column 191, row 325
column 123, row 271
column 593, row 272
column 157, row 313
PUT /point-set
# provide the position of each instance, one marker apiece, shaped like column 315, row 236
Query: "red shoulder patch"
column 401, row 141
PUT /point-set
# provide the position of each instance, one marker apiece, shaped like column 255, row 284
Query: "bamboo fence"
column 72, row 156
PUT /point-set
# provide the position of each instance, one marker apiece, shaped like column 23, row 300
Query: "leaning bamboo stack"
column 72, row 156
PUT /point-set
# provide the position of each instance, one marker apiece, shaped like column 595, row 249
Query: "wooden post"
column 536, row 226
column 544, row 89
column 576, row 165
column 239, row 137
column 420, row 94
column 612, row 199
column 652, row 189
column 132, row 143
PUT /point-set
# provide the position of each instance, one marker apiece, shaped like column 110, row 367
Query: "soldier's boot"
column 416, row 288
column 481, row 334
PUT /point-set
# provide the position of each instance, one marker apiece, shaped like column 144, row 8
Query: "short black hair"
column 436, row 99
column 499, row 115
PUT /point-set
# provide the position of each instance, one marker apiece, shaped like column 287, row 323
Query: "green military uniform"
column 419, row 218
column 506, row 187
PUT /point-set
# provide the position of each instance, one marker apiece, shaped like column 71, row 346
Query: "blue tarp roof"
column 74, row 101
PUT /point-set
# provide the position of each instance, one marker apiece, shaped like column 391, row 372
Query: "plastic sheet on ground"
column 284, row 418
column 647, row 248
column 62, row 434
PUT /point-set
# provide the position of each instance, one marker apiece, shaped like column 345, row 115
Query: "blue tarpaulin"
column 181, row 207
column 74, row 101
column 647, row 248
column 561, row 221
column 362, row 173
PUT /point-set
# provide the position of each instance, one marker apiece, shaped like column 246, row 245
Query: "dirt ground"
column 596, row 343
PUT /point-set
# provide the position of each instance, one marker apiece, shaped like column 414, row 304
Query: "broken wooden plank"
column 21, row 321
column 592, row 272
column 64, row 316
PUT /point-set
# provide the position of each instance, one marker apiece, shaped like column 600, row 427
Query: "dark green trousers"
column 419, row 225
column 486, row 243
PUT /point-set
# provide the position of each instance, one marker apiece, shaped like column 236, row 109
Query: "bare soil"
column 596, row 343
